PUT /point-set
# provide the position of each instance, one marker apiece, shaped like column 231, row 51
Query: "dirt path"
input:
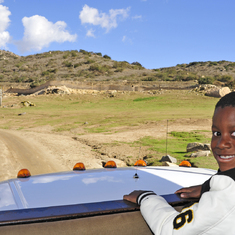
column 43, row 153
column 19, row 152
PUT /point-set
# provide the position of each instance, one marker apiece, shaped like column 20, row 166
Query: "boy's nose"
column 224, row 142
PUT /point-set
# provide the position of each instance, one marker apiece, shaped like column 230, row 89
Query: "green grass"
column 145, row 99
column 123, row 110
column 194, row 136
column 97, row 130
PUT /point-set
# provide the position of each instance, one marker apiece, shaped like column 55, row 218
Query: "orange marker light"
column 140, row 163
column 79, row 167
column 110, row 164
column 185, row 163
column 23, row 173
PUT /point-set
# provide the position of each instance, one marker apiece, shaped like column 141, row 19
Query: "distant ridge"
column 83, row 66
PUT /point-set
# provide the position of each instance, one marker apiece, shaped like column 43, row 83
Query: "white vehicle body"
column 85, row 193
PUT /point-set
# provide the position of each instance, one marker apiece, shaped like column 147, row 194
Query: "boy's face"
column 223, row 137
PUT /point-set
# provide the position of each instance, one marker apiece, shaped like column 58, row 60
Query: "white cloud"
column 90, row 15
column 90, row 33
column 136, row 17
column 4, row 23
column 126, row 39
column 39, row 33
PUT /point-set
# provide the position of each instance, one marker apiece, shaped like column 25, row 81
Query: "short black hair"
column 227, row 100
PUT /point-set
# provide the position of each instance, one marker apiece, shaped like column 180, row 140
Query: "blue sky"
column 155, row 33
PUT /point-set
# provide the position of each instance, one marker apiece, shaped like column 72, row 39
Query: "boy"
column 215, row 212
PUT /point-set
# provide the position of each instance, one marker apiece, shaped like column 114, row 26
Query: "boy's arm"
column 137, row 196
column 190, row 192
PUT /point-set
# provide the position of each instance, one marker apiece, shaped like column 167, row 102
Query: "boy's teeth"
column 226, row 157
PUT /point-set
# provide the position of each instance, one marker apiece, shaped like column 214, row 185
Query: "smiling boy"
column 215, row 212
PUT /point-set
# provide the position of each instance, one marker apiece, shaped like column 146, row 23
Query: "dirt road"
column 42, row 153
column 18, row 152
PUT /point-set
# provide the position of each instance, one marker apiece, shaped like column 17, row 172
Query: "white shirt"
column 214, row 214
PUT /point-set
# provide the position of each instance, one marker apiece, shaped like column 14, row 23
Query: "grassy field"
column 102, row 113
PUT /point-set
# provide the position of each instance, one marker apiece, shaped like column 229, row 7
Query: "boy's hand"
column 132, row 197
column 190, row 192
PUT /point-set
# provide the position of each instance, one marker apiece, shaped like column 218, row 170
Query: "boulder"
column 218, row 92
column 57, row 90
column 168, row 158
column 200, row 154
column 195, row 146
column 27, row 103
column 169, row 164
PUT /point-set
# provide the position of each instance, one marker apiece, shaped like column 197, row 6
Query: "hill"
column 79, row 66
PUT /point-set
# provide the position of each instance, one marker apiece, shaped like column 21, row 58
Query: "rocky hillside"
column 79, row 66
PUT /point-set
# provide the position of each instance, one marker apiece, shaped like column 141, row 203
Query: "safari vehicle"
column 88, row 201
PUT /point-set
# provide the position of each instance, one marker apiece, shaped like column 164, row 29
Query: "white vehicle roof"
column 78, row 187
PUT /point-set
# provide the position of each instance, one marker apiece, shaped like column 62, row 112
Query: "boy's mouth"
column 226, row 157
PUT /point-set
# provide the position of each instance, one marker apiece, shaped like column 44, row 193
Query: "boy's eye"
column 233, row 133
column 217, row 133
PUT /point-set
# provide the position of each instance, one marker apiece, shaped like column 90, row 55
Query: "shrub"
column 99, row 68
column 107, row 57
column 221, row 61
column 98, row 53
column 231, row 84
column 20, row 79
column 192, row 63
column 85, row 52
column 19, row 64
column 45, row 73
column 196, row 63
column 74, row 53
column 81, row 73
column 137, row 63
column 65, row 75
column 67, row 63
column 30, row 80
column 225, row 78
column 211, row 63
column 162, row 76
column 118, row 70
column 206, row 80
column 121, row 64
column 190, row 78
column 218, row 83
column 89, row 61
column 149, row 79
column 77, row 65
column 179, row 77
column 35, row 84
column 94, row 67
column 181, row 65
